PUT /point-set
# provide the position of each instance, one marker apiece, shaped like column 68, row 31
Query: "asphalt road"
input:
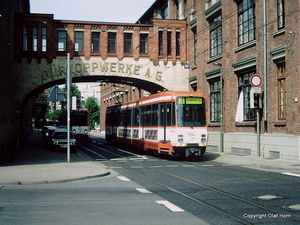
column 143, row 189
column 213, row 192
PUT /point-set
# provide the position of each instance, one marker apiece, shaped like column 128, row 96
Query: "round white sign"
column 256, row 80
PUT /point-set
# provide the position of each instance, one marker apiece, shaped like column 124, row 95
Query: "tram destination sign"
column 190, row 100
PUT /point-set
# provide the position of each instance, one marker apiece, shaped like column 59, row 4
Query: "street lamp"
column 221, row 108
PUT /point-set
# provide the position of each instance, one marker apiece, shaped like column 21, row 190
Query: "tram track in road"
column 275, row 176
column 252, row 204
column 136, row 166
column 94, row 149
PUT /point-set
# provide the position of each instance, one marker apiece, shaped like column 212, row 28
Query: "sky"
column 125, row 11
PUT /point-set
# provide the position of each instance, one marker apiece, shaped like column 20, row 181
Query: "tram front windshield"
column 191, row 111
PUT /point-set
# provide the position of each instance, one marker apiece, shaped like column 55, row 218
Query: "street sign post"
column 256, row 81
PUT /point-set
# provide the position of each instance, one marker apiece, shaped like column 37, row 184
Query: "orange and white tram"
column 171, row 122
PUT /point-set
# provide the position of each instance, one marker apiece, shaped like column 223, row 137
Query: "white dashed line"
column 143, row 190
column 122, row 178
column 208, row 165
column 172, row 165
column 188, row 165
column 136, row 167
column 292, row 174
column 170, row 206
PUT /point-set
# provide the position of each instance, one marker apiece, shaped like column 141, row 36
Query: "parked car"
column 48, row 133
column 97, row 128
column 59, row 140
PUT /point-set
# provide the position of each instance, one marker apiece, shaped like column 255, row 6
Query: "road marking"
column 172, row 165
column 122, row 178
column 136, row 167
column 96, row 153
column 143, row 190
column 188, row 165
column 138, row 156
column 116, row 167
column 170, row 206
column 119, row 159
column 292, row 174
column 208, row 165
column 156, row 166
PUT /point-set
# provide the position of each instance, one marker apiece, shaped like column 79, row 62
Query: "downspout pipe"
column 265, row 111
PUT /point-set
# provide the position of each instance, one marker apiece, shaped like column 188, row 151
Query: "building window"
column 95, row 42
column 128, row 43
column 143, row 43
column 44, row 38
column 62, row 41
column 165, row 12
column 177, row 43
column 169, row 42
column 216, row 36
column 112, row 42
column 244, row 90
column 34, row 37
column 195, row 53
column 215, row 101
column 160, row 42
column 25, row 39
column 281, row 75
column 78, row 41
column 185, row 9
column 280, row 13
column 246, row 18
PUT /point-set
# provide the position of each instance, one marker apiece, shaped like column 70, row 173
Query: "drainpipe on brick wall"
column 265, row 66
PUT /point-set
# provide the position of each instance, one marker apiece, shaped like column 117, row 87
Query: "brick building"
column 228, row 41
column 234, row 40
column 9, row 115
column 222, row 42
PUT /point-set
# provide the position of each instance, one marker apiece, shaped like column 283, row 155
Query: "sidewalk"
column 36, row 165
column 260, row 163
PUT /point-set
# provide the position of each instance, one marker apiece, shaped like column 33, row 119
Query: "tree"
column 74, row 92
column 93, row 106
column 40, row 109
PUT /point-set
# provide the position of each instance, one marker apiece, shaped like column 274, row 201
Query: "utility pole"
column 68, row 83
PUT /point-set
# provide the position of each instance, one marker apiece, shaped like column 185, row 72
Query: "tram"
column 80, row 123
column 171, row 122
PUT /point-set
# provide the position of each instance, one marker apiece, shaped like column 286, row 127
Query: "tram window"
column 154, row 115
column 170, row 114
column 136, row 117
column 191, row 114
column 112, row 117
column 168, row 118
column 125, row 117
column 150, row 115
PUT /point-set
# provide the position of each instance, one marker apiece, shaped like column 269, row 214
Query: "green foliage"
column 55, row 115
column 40, row 109
column 93, row 106
column 74, row 90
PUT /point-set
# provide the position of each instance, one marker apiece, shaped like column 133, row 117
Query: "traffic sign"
column 256, row 80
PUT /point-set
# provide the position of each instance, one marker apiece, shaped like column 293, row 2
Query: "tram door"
column 166, row 117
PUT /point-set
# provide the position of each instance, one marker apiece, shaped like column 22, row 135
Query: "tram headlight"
column 180, row 139
column 74, row 131
column 203, row 138
column 85, row 131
